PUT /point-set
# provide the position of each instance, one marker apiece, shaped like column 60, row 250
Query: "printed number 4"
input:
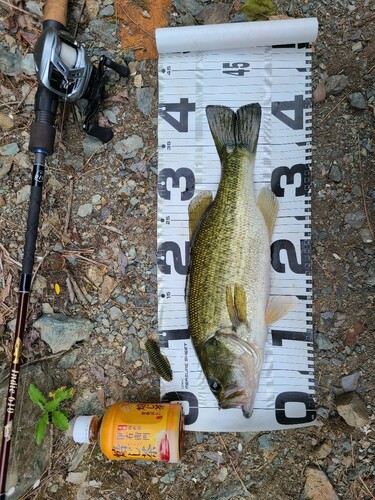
column 296, row 106
column 182, row 108
column 230, row 68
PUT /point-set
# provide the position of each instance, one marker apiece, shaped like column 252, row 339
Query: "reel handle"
column 56, row 10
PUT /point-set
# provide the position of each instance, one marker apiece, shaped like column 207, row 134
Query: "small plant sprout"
column 52, row 413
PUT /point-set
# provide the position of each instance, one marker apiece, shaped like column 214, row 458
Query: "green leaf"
column 60, row 421
column 36, row 396
column 52, row 405
column 64, row 412
column 63, row 393
column 257, row 10
column 40, row 428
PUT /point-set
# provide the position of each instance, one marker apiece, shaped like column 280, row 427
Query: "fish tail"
column 230, row 130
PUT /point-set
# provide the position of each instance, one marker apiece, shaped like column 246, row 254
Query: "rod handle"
column 56, row 10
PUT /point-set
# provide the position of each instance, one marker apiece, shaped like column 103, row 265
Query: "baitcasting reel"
column 63, row 67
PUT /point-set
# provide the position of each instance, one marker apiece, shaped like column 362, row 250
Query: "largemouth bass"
column 229, row 277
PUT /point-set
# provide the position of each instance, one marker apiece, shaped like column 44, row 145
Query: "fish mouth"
column 234, row 397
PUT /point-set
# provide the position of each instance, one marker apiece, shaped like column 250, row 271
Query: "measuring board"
column 198, row 68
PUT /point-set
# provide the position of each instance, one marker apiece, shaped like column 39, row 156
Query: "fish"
column 160, row 362
column 228, row 285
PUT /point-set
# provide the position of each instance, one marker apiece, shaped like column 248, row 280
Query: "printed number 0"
column 183, row 108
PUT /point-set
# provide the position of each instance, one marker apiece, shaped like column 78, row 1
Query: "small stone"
column 91, row 145
column 323, row 342
column 10, row 64
column 28, row 64
column 357, row 47
column 138, row 81
column 215, row 13
column 335, row 174
column 336, row 84
column 352, row 409
column 317, row 486
column 5, row 167
column 6, row 122
column 320, row 92
column 350, row 382
column 108, row 11
column 78, row 457
column 146, row 14
column 355, row 219
column 60, row 332
column 127, row 148
column 144, row 99
column 366, row 235
column 92, row 8
column 85, row 209
column 265, row 442
column 222, row 474
column 23, row 195
column 9, row 149
column 115, row 313
column 323, row 450
column 357, row 100
column 77, row 477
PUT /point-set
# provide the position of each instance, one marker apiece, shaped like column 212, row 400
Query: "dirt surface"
column 98, row 231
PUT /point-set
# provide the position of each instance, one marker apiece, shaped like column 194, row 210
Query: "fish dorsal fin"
column 236, row 304
column 230, row 129
column 278, row 307
column 197, row 208
column 268, row 204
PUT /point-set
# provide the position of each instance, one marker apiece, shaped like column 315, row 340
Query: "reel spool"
column 62, row 65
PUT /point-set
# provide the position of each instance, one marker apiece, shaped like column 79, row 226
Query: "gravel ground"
column 98, row 243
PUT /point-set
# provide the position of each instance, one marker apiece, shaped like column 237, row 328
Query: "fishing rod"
column 64, row 71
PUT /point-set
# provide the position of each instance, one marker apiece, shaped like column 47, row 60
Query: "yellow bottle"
column 135, row 431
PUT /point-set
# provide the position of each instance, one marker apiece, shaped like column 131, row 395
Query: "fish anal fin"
column 240, row 303
column 269, row 206
column 278, row 307
column 197, row 208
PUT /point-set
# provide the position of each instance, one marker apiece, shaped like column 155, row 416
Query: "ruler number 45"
column 236, row 68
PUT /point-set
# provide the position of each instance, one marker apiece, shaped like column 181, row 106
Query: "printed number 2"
column 235, row 69
column 278, row 110
column 183, row 108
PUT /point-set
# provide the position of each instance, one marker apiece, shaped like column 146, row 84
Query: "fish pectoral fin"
column 231, row 307
column 269, row 206
column 197, row 208
column 240, row 303
column 278, row 307
column 236, row 304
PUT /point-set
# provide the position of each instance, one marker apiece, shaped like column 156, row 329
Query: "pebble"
column 336, row 84
column 350, row 382
column 320, row 92
column 357, row 47
column 9, row 149
column 323, row 450
column 188, row 6
column 357, row 100
column 127, row 148
column 115, row 313
column 365, row 233
column 85, row 209
column 323, row 342
column 352, row 409
column 91, row 145
column 78, row 457
column 10, row 64
column 60, row 332
column 222, row 474
column 76, row 477
column 107, row 11
column 23, row 195
column 265, row 442
column 5, row 167
column 317, row 486
column 169, row 477
column 138, row 81
column 355, row 219
column 216, row 13
column 144, row 99
column 28, row 64
column 6, row 122
column 335, row 174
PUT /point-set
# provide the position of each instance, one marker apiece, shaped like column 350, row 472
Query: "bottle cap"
column 81, row 428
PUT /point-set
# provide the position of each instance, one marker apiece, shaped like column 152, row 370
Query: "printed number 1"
column 183, row 108
column 230, row 68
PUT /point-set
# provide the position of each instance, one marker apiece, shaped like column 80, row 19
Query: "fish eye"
column 215, row 386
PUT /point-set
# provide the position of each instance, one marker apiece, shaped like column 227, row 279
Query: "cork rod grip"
column 56, row 10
